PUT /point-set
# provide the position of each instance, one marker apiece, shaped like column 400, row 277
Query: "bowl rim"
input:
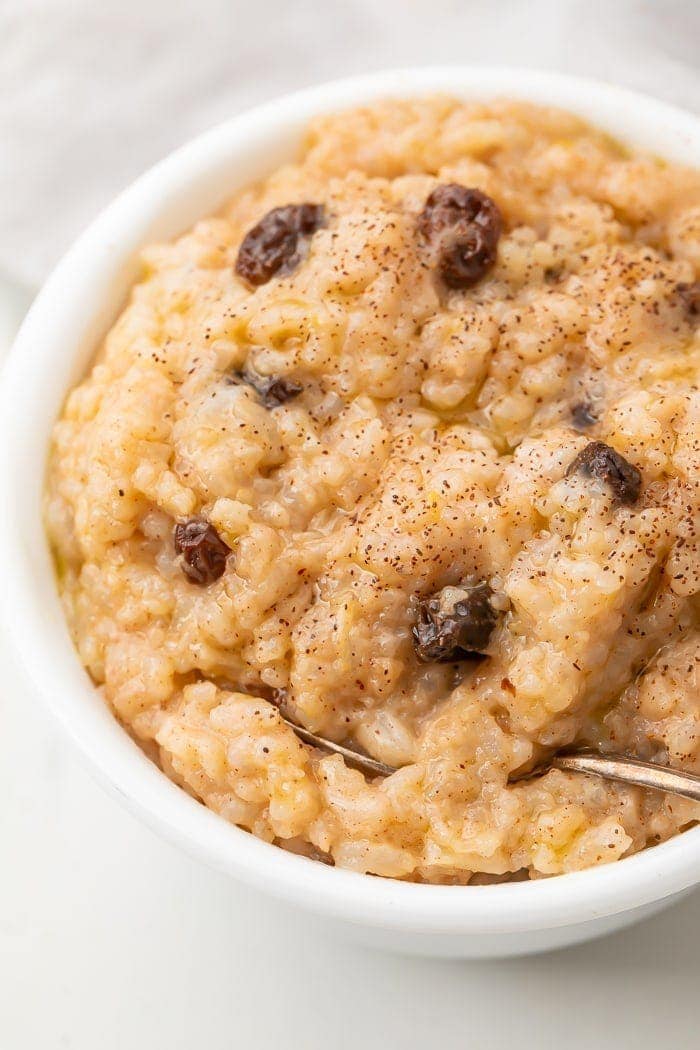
column 75, row 306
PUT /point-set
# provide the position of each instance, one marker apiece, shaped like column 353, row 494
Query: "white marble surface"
column 109, row 938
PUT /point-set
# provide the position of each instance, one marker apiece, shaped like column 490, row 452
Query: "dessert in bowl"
column 401, row 444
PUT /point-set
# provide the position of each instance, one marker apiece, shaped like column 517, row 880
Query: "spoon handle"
column 625, row 770
column 632, row 771
column 364, row 763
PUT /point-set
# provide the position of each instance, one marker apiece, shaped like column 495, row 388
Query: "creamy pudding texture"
column 405, row 444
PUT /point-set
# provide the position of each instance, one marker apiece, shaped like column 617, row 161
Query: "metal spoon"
column 628, row 771
column 609, row 767
column 353, row 758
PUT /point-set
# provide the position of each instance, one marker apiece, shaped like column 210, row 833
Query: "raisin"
column 277, row 243
column 279, row 390
column 462, row 226
column 454, row 624
column 203, row 551
column 272, row 390
column 583, row 416
column 690, row 297
column 598, row 460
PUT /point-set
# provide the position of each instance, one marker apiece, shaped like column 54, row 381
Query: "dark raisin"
column 272, row 390
column 598, row 460
column 203, row 551
column 278, row 390
column 277, row 243
column 454, row 624
column 583, row 416
column 462, row 226
column 463, row 263
column 690, row 297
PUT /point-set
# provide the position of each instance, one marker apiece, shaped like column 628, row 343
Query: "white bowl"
column 53, row 350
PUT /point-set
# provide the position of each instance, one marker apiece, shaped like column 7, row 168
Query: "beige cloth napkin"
column 94, row 91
